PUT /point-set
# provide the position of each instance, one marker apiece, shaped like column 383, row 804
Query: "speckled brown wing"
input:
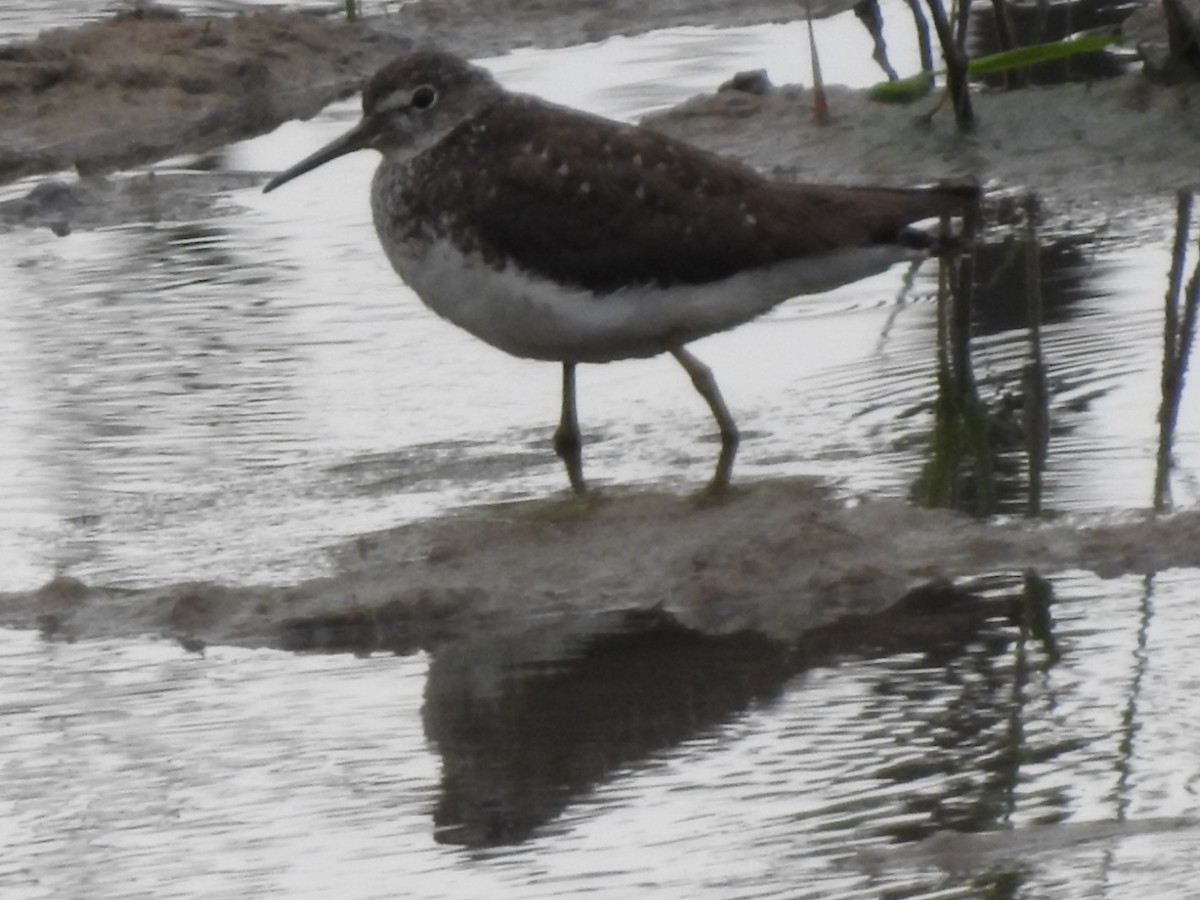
column 593, row 203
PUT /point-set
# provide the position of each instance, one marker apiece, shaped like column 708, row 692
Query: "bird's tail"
column 953, row 221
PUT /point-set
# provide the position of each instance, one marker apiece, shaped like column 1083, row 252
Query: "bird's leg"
column 702, row 378
column 566, row 437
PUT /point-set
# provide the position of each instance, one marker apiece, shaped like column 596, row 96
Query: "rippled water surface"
column 986, row 767
column 223, row 396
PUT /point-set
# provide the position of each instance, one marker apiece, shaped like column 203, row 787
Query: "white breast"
column 530, row 316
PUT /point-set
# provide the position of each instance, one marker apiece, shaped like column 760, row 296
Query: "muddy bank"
column 146, row 85
column 779, row 558
column 1084, row 148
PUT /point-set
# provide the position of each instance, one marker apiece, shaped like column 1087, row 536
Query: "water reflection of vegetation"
column 1129, row 715
column 975, row 745
column 961, row 467
column 988, row 454
column 1179, row 329
column 1035, row 394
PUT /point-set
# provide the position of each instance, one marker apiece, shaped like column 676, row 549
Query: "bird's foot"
column 719, row 483
column 569, row 449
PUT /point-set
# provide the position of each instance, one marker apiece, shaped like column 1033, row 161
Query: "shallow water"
column 223, row 397
column 300, row 776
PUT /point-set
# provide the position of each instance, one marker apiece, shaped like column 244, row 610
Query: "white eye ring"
column 423, row 97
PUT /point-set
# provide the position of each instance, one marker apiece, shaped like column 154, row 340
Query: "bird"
column 558, row 235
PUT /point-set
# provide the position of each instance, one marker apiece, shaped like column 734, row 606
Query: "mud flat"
column 779, row 558
column 145, row 85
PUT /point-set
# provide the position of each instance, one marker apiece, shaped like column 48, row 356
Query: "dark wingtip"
column 963, row 194
column 951, row 200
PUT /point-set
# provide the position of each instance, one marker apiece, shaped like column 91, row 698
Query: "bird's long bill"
column 357, row 138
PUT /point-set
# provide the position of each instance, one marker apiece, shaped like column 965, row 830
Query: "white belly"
column 532, row 317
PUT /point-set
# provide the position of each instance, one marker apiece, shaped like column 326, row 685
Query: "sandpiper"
column 558, row 235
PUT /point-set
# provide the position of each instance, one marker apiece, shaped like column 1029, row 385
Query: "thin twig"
column 820, row 102
column 956, row 68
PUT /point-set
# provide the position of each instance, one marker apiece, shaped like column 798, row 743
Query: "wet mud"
column 781, row 558
column 150, row 84
column 1087, row 150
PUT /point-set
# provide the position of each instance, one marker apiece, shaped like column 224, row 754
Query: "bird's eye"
column 423, row 97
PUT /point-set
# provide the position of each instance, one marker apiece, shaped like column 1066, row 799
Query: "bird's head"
column 408, row 106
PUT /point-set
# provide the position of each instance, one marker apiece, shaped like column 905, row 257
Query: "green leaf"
column 1040, row 53
column 906, row 90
